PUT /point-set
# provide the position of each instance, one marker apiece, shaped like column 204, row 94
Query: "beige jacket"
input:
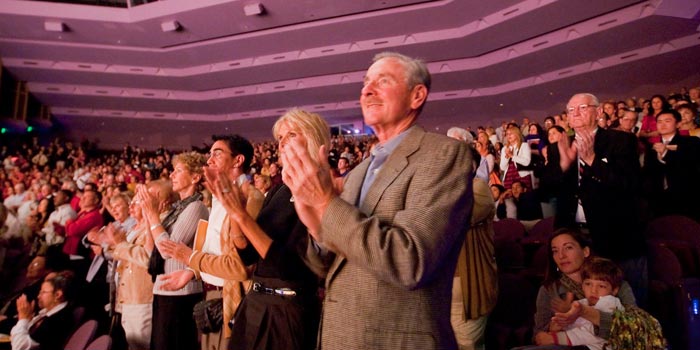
column 135, row 284
column 476, row 265
column 228, row 265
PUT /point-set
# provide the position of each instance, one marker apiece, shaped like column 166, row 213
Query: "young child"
column 601, row 282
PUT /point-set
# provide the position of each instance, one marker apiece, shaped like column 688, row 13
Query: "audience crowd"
column 80, row 225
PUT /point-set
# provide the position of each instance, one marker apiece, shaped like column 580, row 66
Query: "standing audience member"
column 553, row 184
column 628, row 122
column 284, row 287
column 134, row 294
column 216, row 261
column 515, row 159
column 475, row 285
column 173, row 325
column 16, row 200
column 648, row 132
column 674, row 169
column 51, row 327
column 689, row 116
column 604, row 202
column 262, row 183
column 398, row 226
column 87, row 219
column 59, row 217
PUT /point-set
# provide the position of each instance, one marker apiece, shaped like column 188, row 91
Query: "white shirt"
column 14, row 201
column 212, row 242
column 58, row 216
column 20, row 332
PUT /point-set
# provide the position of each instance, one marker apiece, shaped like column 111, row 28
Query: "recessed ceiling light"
column 170, row 26
column 255, row 9
column 54, row 26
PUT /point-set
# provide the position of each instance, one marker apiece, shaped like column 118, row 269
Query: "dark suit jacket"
column 54, row 331
column 390, row 285
column 608, row 191
column 681, row 169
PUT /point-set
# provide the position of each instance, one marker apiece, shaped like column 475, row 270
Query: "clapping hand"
column 114, row 236
column 562, row 319
column 25, row 309
column 175, row 280
column 310, row 182
column 227, row 192
column 176, row 250
column 584, row 145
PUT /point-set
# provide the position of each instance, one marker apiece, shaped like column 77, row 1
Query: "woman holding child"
column 556, row 308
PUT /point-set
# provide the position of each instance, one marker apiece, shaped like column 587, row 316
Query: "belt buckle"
column 285, row 292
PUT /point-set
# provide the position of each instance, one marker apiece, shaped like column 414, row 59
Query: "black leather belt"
column 210, row 287
column 283, row 292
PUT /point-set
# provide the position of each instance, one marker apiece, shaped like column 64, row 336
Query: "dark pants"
column 173, row 324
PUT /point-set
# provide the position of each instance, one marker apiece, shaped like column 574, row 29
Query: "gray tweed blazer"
column 390, row 284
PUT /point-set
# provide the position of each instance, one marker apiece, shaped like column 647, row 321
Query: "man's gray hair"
column 416, row 70
column 593, row 98
column 460, row 134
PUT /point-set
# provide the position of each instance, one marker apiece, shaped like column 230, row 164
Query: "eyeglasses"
column 581, row 108
column 218, row 153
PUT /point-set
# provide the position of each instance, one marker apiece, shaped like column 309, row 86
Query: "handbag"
column 209, row 315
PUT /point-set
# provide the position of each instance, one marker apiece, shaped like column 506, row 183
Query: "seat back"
column 542, row 230
column 508, row 229
column 82, row 336
column 103, row 342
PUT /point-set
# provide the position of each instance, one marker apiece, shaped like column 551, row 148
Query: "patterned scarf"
column 572, row 286
column 156, row 264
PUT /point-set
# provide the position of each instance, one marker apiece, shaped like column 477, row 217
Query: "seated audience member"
column 88, row 218
column 505, row 208
column 51, row 261
column 674, row 169
column 563, row 284
column 51, row 327
column 601, row 283
column 527, row 205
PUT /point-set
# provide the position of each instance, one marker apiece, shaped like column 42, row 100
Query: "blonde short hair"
column 311, row 125
column 193, row 161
